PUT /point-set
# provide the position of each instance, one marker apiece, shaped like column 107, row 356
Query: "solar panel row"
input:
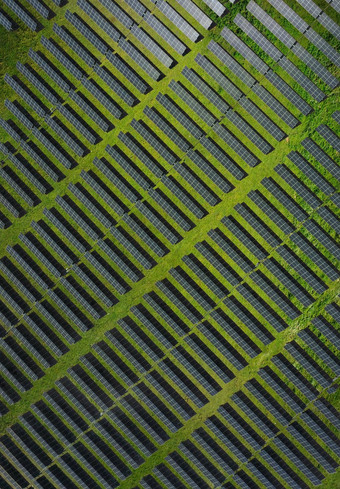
column 23, row 14
column 6, row 21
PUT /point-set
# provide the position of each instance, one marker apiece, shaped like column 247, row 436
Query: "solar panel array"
column 169, row 273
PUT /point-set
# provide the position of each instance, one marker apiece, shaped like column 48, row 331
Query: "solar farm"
column 169, row 273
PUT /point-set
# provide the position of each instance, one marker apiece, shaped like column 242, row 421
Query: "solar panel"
column 184, row 197
column 154, row 141
column 19, row 186
column 134, row 225
column 72, row 142
column 249, row 132
column 290, row 15
column 197, row 184
column 151, row 46
column 244, row 50
column 243, row 315
column 64, row 304
column 6, row 22
column 330, row 218
column 166, row 204
column 167, row 477
column 186, row 471
column 113, row 83
column 259, row 390
column 311, row 172
column 11, row 204
column 18, row 308
column 98, row 119
column 51, row 70
column 230, row 249
column 102, row 293
column 275, row 294
column 49, row 338
column 23, row 14
column 238, row 147
column 293, row 374
column 314, row 65
column 217, row 262
column 53, row 147
column 27, row 264
column 302, row 269
column 64, row 59
column 188, row 285
column 290, row 451
column 285, row 199
column 244, row 237
column 336, row 116
column 322, row 351
column 44, row 258
column 10, row 130
column 65, row 330
column 314, row 254
column 205, row 89
column 196, row 13
column 142, row 154
column 178, row 300
column 320, row 43
column 289, row 93
column 267, row 46
column 27, row 170
column 130, row 167
column 330, row 136
column 309, row 443
column 210, row 171
column 137, row 6
column 283, row 469
column 37, row 81
column 163, row 227
column 275, row 105
column 104, row 192
column 214, row 450
column 77, row 124
column 321, row 156
column 168, row 129
column 75, row 45
column 311, row 8
column 118, row 12
column 178, row 21
column 262, row 119
column 119, row 181
column 84, row 197
column 165, row 33
column 295, row 183
column 25, row 94
column 216, row 7
column 271, row 24
column 78, row 216
column 100, row 20
column 180, row 115
column 59, row 225
column 82, row 27
column 141, row 60
column 192, row 102
column 227, row 439
column 276, row 216
column 302, row 79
